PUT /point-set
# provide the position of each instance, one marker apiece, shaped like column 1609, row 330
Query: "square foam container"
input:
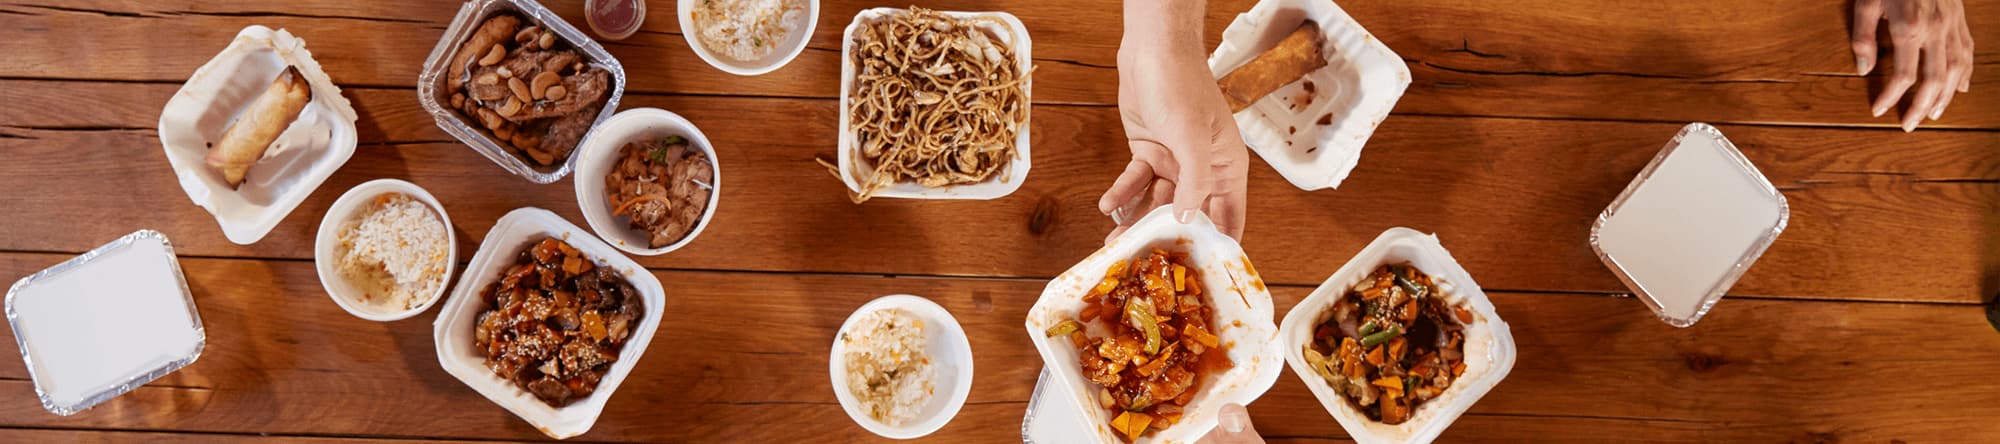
column 304, row 155
column 1692, row 223
column 106, row 322
column 1360, row 84
column 1489, row 343
column 1011, row 32
column 435, row 95
column 1243, row 321
column 515, row 232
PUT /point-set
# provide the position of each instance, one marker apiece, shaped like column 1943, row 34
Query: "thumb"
column 1232, row 426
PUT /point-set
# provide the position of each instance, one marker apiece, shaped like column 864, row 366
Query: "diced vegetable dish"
column 1161, row 343
column 1391, row 343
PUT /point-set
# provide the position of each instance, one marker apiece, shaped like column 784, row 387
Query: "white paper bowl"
column 1243, row 320
column 1489, row 346
column 517, row 231
column 599, row 153
column 951, row 359
column 794, row 43
column 1361, row 82
column 305, row 154
column 1014, row 34
column 348, row 208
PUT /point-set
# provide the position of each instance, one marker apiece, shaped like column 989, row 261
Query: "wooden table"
column 1863, row 323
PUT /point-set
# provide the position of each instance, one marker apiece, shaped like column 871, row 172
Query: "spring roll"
column 253, row 132
column 1294, row 57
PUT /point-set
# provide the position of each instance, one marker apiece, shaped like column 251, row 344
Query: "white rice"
column 888, row 370
column 395, row 253
column 746, row 30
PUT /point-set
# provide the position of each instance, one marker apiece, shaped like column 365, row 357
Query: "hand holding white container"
column 1243, row 319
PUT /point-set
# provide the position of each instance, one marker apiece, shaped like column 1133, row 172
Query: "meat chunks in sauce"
column 556, row 321
column 1391, row 343
column 662, row 186
column 1161, row 342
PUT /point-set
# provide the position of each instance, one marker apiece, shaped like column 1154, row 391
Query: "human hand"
column 1934, row 29
column 1232, row 427
column 1184, row 142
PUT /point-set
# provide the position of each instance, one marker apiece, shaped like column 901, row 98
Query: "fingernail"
column 1880, row 109
column 1860, row 66
column 1230, row 420
column 1910, row 126
column 1185, row 216
column 1937, row 113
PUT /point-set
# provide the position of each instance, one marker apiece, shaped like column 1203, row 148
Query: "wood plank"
column 1875, row 213
column 1753, row 62
column 741, row 357
column 53, row 436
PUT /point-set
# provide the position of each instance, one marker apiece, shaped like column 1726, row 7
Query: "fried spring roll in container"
column 246, row 140
column 1294, row 57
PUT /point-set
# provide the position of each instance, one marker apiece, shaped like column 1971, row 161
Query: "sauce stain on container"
column 615, row 19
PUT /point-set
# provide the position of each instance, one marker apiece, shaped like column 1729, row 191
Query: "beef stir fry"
column 1391, row 343
column 1160, row 347
column 662, row 185
column 556, row 322
column 527, row 88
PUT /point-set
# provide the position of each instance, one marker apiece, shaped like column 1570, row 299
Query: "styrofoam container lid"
column 514, row 232
column 1489, row 343
column 305, row 154
column 1050, row 420
column 1243, row 321
column 1692, row 222
column 1012, row 33
column 106, row 322
column 951, row 367
column 1360, row 84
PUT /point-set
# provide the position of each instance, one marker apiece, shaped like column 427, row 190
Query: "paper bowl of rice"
column 385, row 250
column 977, row 143
column 901, row 366
column 748, row 37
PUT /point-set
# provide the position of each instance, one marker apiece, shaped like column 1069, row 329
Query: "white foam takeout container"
column 1692, row 223
column 1360, row 84
column 106, row 322
column 600, row 153
column 1243, row 321
column 783, row 53
column 435, row 95
column 347, row 209
column 1010, row 32
column 1489, row 343
column 513, row 233
column 317, row 143
column 951, row 364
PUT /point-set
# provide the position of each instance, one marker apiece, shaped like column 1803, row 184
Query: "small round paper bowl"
column 795, row 43
column 349, row 207
column 951, row 360
column 599, row 153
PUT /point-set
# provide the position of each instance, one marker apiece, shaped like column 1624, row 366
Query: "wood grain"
column 1875, row 213
column 1750, row 62
column 741, row 357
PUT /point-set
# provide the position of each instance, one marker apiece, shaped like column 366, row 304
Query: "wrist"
column 1164, row 26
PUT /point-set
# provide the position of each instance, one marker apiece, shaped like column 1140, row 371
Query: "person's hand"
column 1232, row 426
column 1932, row 29
column 1185, row 145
